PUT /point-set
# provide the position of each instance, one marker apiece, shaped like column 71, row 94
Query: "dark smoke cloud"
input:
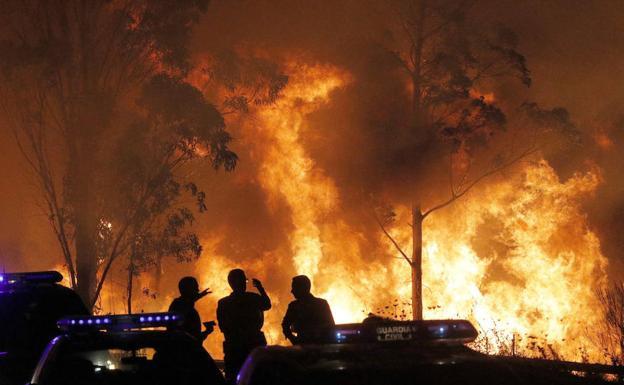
column 572, row 49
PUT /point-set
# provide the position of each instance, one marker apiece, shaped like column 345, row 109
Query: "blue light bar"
column 119, row 322
column 454, row 332
column 30, row 277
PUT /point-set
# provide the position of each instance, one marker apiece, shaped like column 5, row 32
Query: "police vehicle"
column 133, row 349
column 383, row 352
column 30, row 306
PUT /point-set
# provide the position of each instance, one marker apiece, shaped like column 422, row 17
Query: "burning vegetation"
column 515, row 256
column 409, row 176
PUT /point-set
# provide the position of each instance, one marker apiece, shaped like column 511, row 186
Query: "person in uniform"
column 307, row 316
column 185, row 306
column 240, row 316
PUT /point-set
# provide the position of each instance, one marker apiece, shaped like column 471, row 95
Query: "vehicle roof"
column 36, row 287
column 399, row 357
column 47, row 292
column 355, row 354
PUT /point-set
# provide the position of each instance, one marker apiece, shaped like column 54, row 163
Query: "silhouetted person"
column 240, row 317
column 185, row 306
column 308, row 316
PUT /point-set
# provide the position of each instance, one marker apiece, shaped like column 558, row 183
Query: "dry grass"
column 611, row 337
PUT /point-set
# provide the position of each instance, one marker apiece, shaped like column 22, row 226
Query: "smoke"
column 569, row 47
column 569, row 51
column 347, row 138
column 26, row 241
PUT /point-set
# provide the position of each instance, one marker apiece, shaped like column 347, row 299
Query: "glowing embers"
column 31, row 277
column 119, row 322
column 453, row 332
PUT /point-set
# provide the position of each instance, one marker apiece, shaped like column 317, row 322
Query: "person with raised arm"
column 185, row 306
column 240, row 316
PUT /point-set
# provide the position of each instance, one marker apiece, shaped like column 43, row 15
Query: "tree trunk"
column 86, row 228
column 418, row 121
column 130, row 282
column 417, row 301
column 85, row 263
column 82, row 178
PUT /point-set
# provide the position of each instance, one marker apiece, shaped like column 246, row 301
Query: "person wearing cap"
column 185, row 306
column 307, row 316
column 241, row 316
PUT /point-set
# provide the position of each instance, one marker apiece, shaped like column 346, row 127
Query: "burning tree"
column 237, row 83
column 176, row 127
column 96, row 94
column 241, row 82
column 447, row 57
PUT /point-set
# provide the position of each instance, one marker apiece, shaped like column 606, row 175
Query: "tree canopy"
column 96, row 95
column 450, row 131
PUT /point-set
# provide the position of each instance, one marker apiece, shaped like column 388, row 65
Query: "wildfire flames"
column 515, row 256
column 539, row 274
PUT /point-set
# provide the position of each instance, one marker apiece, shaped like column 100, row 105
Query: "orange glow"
column 515, row 255
column 537, row 284
column 63, row 270
column 289, row 173
column 488, row 97
column 602, row 139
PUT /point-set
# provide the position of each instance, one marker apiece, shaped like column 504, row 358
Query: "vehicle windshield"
column 170, row 363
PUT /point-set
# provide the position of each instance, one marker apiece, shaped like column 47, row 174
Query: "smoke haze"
column 572, row 52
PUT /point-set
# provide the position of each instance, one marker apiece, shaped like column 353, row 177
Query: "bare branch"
column 112, row 256
column 492, row 171
column 402, row 61
column 383, row 228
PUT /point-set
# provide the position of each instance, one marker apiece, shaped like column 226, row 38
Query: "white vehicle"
column 132, row 349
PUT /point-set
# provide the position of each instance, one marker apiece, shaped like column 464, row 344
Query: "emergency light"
column 32, row 277
column 118, row 322
column 450, row 332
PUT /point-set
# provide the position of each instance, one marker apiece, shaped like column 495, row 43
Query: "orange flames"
column 515, row 255
column 288, row 173
column 538, row 273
